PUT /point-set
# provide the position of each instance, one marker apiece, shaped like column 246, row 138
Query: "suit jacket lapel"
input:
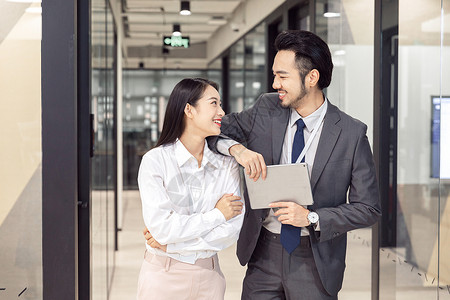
column 279, row 124
column 328, row 138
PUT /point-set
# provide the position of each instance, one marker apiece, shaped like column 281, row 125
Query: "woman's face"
column 207, row 113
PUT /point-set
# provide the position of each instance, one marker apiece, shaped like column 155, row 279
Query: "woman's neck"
column 194, row 144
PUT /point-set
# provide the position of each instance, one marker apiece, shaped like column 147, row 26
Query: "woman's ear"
column 188, row 110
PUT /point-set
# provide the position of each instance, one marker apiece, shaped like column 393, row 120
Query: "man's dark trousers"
column 271, row 270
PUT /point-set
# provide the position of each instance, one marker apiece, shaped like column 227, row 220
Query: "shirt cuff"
column 169, row 249
column 223, row 146
column 317, row 227
column 214, row 217
column 217, row 216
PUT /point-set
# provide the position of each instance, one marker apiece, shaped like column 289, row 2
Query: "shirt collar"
column 209, row 157
column 182, row 155
column 310, row 120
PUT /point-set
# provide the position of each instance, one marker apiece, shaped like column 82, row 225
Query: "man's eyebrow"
column 280, row 72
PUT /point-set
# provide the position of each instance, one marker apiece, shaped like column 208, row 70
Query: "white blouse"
column 179, row 198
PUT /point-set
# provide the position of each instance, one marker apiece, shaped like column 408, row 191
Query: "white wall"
column 20, row 108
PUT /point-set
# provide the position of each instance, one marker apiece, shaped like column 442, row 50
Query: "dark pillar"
column 59, row 148
column 385, row 131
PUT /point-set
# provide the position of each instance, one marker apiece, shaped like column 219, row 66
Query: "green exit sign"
column 176, row 41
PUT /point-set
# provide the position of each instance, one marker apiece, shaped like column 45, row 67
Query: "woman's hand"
column 152, row 242
column 230, row 206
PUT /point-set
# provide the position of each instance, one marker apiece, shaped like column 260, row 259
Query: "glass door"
column 103, row 194
column 414, row 258
column 348, row 29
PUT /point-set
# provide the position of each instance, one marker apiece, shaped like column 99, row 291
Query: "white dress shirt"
column 179, row 198
column 271, row 222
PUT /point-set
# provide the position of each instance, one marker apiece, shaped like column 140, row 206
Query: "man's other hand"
column 291, row 213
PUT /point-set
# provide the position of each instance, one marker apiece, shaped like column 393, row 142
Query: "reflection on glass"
column 299, row 16
column 348, row 29
column 444, row 182
column 255, row 65
column 21, row 151
column 236, row 77
column 145, row 95
column 247, row 69
column 422, row 210
column 214, row 73
column 103, row 162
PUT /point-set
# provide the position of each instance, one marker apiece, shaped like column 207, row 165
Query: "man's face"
column 291, row 89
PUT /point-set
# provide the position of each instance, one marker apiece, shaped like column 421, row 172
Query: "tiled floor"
column 357, row 282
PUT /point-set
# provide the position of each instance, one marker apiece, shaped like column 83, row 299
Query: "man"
column 294, row 252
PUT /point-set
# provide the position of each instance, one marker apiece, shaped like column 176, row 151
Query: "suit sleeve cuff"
column 223, row 146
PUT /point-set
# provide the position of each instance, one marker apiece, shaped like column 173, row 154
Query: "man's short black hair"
column 311, row 52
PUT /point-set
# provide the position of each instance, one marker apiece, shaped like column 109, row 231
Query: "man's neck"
column 312, row 101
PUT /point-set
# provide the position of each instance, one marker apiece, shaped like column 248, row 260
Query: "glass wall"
column 255, row 65
column 298, row 16
column 214, row 73
column 247, row 69
column 236, row 77
column 21, row 151
column 145, row 95
column 417, row 264
column 104, row 160
column 348, row 28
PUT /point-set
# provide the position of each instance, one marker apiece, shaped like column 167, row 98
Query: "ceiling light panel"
column 186, row 28
column 194, row 37
column 226, row 7
column 143, row 19
column 174, row 6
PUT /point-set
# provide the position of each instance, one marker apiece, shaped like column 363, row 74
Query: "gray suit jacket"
column 343, row 162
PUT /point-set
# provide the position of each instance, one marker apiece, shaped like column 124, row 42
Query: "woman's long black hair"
column 188, row 90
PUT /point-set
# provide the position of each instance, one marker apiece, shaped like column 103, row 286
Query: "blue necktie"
column 290, row 235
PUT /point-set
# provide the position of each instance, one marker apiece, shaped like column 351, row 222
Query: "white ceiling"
column 145, row 22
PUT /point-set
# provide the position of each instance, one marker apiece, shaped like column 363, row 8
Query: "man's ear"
column 313, row 77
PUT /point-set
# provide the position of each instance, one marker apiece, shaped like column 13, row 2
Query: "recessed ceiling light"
column 26, row 1
column 185, row 8
column 34, row 10
column 339, row 52
column 176, row 30
column 329, row 13
column 217, row 20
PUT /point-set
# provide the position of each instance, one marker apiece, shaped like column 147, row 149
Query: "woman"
column 190, row 199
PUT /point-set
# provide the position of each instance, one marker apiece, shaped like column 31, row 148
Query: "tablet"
column 288, row 182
